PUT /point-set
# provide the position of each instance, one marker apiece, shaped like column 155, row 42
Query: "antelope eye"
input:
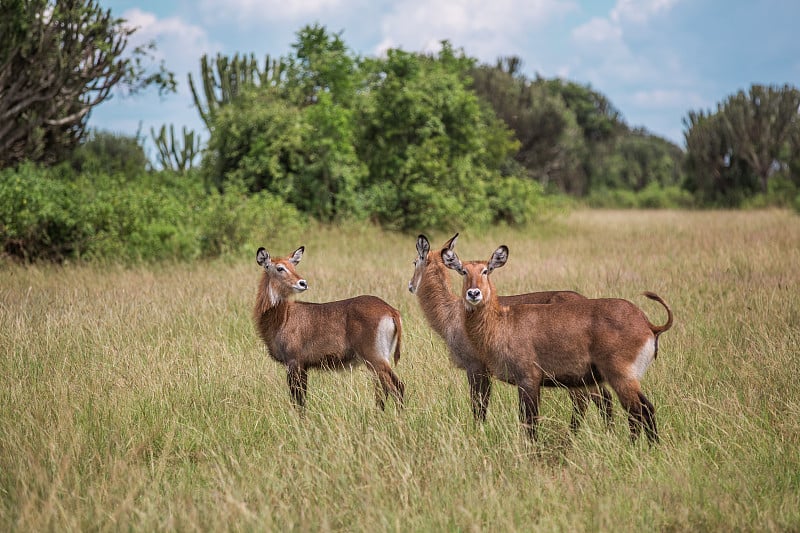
column 280, row 268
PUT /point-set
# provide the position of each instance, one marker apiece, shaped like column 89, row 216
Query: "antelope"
column 431, row 284
column 579, row 342
column 331, row 335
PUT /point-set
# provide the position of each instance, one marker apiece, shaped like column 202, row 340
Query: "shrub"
column 42, row 217
column 515, row 200
column 233, row 221
column 664, row 197
column 611, row 198
column 653, row 196
column 48, row 216
column 781, row 192
column 110, row 153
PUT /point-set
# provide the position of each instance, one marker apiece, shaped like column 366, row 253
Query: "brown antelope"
column 579, row 342
column 331, row 335
column 442, row 309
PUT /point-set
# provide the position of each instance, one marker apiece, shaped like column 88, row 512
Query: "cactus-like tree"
column 223, row 78
column 174, row 153
column 58, row 60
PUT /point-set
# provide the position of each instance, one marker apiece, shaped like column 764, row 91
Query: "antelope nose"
column 410, row 287
column 474, row 294
column 302, row 284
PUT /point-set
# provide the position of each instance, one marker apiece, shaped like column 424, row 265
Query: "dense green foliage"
column 746, row 151
column 571, row 136
column 400, row 140
column 56, row 215
column 110, row 153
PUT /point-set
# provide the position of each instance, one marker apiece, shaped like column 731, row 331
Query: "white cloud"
column 669, row 98
column 182, row 43
column 269, row 11
column 598, row 31
column 484, row 29
column 602, row 44
column 639, row 11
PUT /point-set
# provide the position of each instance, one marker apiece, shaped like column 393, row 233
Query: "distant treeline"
column 410, row 141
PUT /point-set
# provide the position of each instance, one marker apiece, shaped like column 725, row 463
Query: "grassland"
column 140, row 398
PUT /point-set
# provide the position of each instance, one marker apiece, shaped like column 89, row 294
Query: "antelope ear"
column 423, row 246
column 499, row 258
column 262, row 257
column 297, row 255
column 451, row 243
column 452, row 261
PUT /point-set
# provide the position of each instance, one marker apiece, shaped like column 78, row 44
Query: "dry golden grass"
column 140, row 398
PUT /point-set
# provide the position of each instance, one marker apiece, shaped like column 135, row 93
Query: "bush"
column 668, row 197
column 653, row 196
column 229, row 222
column 110, row 153
column 40, row 217
column 781, row 192
column 612, row 198
column 515, row 200
column 48, row 216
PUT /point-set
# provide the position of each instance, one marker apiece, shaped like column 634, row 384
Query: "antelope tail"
column 658, row 330
column 398, row 330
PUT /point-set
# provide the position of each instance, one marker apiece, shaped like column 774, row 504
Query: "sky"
column 654, row 59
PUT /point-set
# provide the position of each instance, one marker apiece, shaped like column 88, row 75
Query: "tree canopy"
column 751, row 140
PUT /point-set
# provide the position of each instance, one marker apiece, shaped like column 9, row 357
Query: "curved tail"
column 658, row 330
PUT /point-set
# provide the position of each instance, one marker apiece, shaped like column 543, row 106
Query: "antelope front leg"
column 580, row 401
column 602, row 399
column 297, row 378
column 480, row 389
column 529, row 408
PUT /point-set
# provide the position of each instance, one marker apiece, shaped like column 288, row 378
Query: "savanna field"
column 140, row 397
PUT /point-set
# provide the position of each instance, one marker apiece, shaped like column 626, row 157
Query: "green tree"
column 223, row 78
column 58, row 60
column 256, row 139
column 292, row 134
column 735, row 152
column 598, row 119
column 639, row 159
column 109, row 153
column 402, row 140
column 321, row 62
column 715, row 173
column 551, row 144
column 429, row 143
column 760, row 123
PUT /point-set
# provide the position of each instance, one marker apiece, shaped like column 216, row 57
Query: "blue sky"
column 654, row 59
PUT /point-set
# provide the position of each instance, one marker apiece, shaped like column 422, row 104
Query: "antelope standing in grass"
column 442, row 309
column 579, row 342
column 332, row 335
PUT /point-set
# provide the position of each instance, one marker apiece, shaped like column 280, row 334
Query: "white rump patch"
column 643, row 359
column 386, row 338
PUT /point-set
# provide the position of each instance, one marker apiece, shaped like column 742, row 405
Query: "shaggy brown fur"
column 332, row 335
column 442, row 309
column 576, row 342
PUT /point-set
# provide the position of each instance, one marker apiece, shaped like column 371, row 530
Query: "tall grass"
column 140, row 398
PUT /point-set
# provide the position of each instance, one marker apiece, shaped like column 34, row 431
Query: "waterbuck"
column 576, row 343
column 331, row 335
column 442, row 309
